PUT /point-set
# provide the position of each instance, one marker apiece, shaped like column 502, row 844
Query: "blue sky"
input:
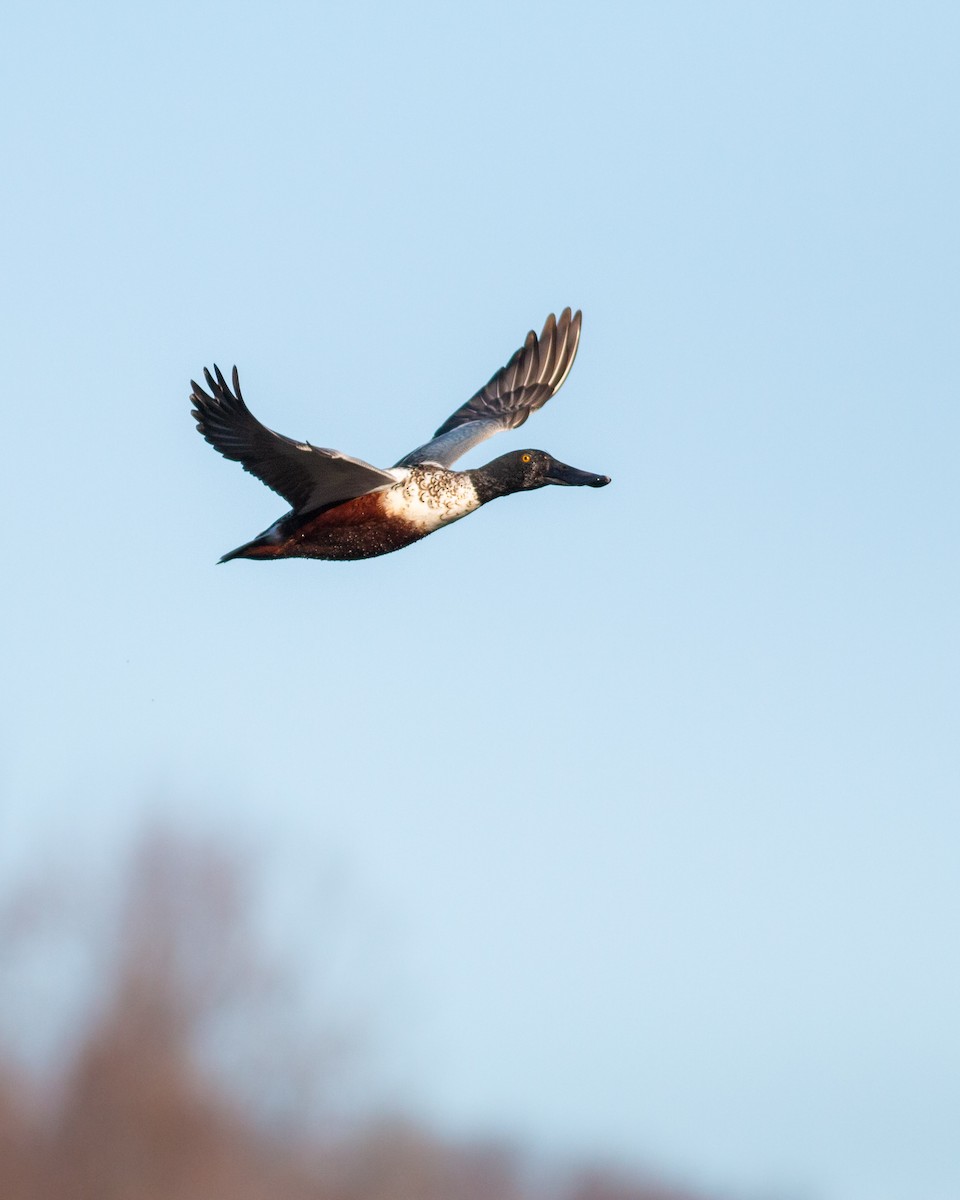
column 649, row 793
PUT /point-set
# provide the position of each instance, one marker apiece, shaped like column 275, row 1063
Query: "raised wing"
column 526, row 383
column 306, row 476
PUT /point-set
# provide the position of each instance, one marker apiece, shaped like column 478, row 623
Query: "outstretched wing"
column 306, row 476
column 525, row 384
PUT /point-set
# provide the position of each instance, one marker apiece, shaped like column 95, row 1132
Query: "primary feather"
column 307, row 477
column 534, row 374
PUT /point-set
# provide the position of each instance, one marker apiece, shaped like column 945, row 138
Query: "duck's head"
column 524, row 470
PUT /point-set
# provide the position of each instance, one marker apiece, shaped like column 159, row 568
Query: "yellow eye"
column 524, row 457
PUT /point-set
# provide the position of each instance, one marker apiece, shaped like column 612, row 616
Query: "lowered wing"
column 306, row 476
column 526, row 383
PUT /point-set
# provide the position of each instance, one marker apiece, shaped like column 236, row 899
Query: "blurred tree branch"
column 144, row 1110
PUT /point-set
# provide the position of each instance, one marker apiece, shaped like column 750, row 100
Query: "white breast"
column 428, row 499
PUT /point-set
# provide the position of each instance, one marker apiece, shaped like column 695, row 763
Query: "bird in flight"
column 344, row 508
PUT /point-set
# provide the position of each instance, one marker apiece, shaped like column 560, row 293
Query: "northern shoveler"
column 344, row 508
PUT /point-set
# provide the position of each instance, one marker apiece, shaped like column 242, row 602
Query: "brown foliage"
column 138, row 1114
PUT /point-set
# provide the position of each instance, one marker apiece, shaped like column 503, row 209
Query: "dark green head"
column 524, row 470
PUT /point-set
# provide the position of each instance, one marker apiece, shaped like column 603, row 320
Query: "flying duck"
column 344, row 508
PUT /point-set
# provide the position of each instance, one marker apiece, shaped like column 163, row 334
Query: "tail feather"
column 260, row 547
